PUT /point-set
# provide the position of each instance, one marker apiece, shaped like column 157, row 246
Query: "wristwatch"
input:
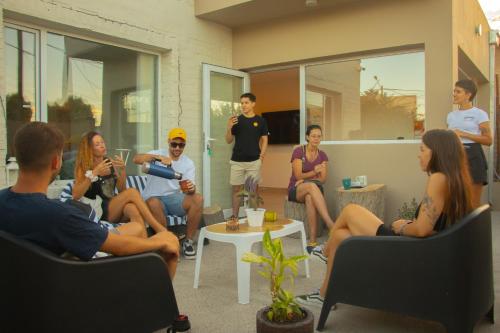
column 91, row 176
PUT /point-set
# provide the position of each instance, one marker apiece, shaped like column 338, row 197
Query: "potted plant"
column 255, row 215
column 407, row 211
column 284, row 314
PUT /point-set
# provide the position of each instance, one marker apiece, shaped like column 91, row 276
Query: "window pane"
column 380, row 98
column 20, row 71
column 105, row 88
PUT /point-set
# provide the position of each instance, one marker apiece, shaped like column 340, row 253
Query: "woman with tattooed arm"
column 447, row 198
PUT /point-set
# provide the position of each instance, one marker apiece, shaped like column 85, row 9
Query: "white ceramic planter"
column 255, row 217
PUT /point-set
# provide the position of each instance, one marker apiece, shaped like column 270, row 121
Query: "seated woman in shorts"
column 447, row 198
column 309, row 173
column 97, row 175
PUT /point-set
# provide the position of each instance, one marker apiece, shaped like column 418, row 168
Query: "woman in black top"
column 447, row 199
column 96, row 174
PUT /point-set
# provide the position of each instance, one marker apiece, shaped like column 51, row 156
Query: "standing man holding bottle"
column 249, row 132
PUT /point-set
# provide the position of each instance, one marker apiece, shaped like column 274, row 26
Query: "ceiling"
column 240, row 13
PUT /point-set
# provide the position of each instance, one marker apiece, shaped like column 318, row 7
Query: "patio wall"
column 167, row 26
column 371, row 27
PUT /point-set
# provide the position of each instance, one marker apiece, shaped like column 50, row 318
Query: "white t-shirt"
column 158, row 187
column 467, row 121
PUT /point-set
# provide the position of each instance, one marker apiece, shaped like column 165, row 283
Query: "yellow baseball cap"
column 177, row 133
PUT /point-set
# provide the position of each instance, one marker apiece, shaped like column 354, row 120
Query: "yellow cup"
column 270, row 216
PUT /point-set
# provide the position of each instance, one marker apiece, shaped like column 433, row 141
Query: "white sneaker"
column 312, row 299
column 188, row 249
column 317, row 253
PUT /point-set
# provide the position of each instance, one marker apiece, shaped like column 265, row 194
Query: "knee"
column 308, row 199
column 198, row 200
column 350, row 208
column 237, row 188
column 193, row 201
column 130, row 208
column 154, row 203
column 132, row 193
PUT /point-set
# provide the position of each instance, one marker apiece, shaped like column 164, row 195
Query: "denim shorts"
column 172, row 204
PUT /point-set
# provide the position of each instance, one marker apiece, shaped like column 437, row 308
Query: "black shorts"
column 105, row 209
column 477, row 163
column 292, row 194
column 384, row 231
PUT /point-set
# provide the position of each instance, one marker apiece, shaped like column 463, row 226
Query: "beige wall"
column 355, row 29
column 396, row 166
column 496, row 185
column 276, row 90
column 467, row 15
column 168, row 27
column 207, row 6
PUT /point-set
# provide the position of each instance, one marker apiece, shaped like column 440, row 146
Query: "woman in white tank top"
column 472, row 126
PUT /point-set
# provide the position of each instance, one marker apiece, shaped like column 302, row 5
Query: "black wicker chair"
column 41, row 292
column 446, row 278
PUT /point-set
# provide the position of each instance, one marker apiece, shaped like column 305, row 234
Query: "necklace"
column 311, row 155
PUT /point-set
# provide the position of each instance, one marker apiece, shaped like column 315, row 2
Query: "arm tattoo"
column 430, row 209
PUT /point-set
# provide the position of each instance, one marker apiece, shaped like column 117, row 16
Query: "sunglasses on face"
column 181, row 145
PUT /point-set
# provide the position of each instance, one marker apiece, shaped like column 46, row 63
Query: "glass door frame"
column 206, row 88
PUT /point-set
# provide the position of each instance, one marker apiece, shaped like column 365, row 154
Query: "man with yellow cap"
column 166, row 196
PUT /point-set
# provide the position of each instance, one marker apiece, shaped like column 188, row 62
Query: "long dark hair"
column 448, row 157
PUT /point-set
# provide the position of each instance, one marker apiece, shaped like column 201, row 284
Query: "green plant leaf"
column 266, row 275
column 270, row 315
column 268, row 244
column 252, row 258
column 298, row 258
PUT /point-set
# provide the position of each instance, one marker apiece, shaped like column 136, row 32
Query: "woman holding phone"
column 98, row 175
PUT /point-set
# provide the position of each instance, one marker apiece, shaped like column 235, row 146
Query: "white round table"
column 243, row 242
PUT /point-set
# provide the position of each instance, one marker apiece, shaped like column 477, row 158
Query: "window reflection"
column 93, row 86
column 376, row 98
column 20, row 71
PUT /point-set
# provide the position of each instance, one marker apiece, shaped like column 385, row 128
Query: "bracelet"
column 90, row 175
column 402, row 229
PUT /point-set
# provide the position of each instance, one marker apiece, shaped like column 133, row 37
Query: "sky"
column 491, row 8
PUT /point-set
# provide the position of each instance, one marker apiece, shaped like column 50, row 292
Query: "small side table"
column 372, row 197
column 243, row 240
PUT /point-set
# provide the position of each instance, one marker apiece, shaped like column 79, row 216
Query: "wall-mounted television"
column 283, row 126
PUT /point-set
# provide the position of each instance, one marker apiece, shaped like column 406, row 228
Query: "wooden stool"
column 297, row 211
column 372, row 197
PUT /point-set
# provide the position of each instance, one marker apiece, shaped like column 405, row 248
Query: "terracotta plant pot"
column 306, row 325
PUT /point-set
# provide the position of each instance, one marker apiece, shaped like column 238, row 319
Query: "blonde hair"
column 85, row 157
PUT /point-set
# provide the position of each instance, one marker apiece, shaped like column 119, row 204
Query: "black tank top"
column 96, row 187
